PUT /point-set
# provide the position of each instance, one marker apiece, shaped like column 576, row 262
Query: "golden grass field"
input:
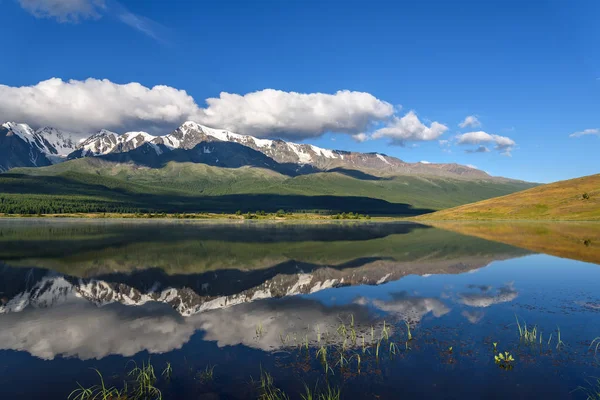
column 562, row 200
column 574, row 240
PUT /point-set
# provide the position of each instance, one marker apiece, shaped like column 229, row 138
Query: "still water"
column 376, row 311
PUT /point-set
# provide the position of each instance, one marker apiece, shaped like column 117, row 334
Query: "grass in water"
column 168, row 371
column 526, row 335
column 328, row 394
column 408, row 331
column 268, row 390
column 96, row 392
column 596, row 341
column 144, row 380
column 207, row 374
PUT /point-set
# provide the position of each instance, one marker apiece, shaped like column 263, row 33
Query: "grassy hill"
column 95, row 185
column 575, row 200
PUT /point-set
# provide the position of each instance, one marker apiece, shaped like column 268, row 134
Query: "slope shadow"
column 215, row 154
column 356, row 174
column 125, row 200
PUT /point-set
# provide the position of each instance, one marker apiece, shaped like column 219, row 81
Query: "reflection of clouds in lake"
column 473, row 316
column 410, row 308
column 83, row 330
column 483, row 288
column 487, row 298
column 79, row 329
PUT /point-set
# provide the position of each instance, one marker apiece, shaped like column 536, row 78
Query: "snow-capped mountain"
column 192, row 142
column 203, row 144
column 21, row 146
column 194, row 294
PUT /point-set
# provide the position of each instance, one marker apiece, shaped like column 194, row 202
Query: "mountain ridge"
column 50, row 146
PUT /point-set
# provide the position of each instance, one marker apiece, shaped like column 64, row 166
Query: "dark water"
column 250, row 298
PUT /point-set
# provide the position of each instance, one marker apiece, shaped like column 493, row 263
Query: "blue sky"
column 528, row 71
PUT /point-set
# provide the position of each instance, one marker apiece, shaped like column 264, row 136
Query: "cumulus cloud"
column 64, row 10
column 85, row 106
column 503, row 144
column 360, row 137
column 472, row 166
column 409, row 128
column 480, row 149
column 470, row 121
column 409, row 308
column 487, row 298
column 92, row 104
column 294, row 115
column 594, row 131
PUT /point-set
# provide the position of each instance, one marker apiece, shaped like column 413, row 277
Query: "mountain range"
column 197, row 143
column 200, row 169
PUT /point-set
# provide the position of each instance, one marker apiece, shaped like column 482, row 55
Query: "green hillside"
column 574, row 199
column 94, row 185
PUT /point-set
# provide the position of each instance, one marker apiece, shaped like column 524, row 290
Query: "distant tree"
column 238, row 212
column 280, row 213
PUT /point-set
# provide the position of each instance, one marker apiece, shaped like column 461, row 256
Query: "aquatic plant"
column 207, row 374
column 394, row 348
column 597, row 342
column 144, row 380
column 504, row 360
column 330, row 394
column 408, row 331
column 529, row 336
column 95, row 392
column 259, row 330
column 560, row 342
column 385, row 332
column 592, row 392
column 168, row 371
column 268, row 390
column 495, row 347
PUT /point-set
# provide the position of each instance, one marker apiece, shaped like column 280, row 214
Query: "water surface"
column 252, row 298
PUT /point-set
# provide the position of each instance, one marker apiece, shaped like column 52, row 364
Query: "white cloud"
column 503, row 144
column 504, row 294
column 472, row 166
column 360, row 137
column 64, row 10
column 77, row 10
column 444, row 143
column 471, row 121
column 294, row 115
column 85, row 106
column 409, row 128
column 594, row 131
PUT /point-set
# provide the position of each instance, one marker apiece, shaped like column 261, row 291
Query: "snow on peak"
column 24, row 131
column 382, row 158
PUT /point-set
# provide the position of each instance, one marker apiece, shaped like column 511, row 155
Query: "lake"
column 193, row 310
